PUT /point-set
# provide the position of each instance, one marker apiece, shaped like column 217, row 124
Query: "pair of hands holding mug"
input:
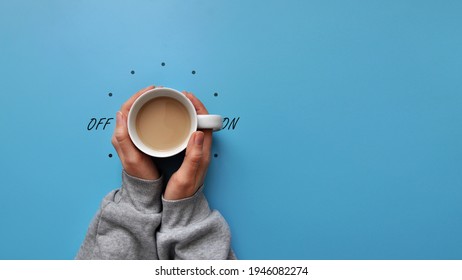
column 191, row 174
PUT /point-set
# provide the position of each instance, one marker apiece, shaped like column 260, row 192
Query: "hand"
column 191, row 174
column 135, row 162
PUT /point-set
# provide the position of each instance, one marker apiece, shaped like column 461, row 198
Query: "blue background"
column 348, row 143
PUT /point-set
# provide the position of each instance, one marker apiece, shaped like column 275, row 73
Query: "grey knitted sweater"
column 135, row 222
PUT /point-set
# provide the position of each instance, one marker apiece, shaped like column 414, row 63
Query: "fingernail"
column 199, row 138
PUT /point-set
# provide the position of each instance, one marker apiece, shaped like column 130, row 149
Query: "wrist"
column 142, row 171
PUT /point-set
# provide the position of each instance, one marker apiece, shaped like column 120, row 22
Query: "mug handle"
column 214, row 122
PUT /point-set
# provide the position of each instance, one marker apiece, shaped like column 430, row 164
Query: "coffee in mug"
column 163, row 123
column 162, row 120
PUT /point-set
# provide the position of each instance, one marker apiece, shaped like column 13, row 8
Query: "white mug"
column 195, row 121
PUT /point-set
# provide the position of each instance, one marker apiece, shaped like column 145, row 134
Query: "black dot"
column 215, row 155
column 110, row 155
column 193, row 72
column 110, row 94
column 215, row 94
column 133, row 72
column 163, row 64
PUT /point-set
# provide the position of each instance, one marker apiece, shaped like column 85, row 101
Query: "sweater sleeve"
column 124, row 227
column 190, row 230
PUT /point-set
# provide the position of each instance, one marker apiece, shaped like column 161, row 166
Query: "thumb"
column 182, row 184
column 193, row 156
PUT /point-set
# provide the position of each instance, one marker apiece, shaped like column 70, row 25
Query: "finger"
column 128, row 104
column 124, row 146
column 118, row 134
column 192, row 160
column 198, row 105
column 117, row 148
